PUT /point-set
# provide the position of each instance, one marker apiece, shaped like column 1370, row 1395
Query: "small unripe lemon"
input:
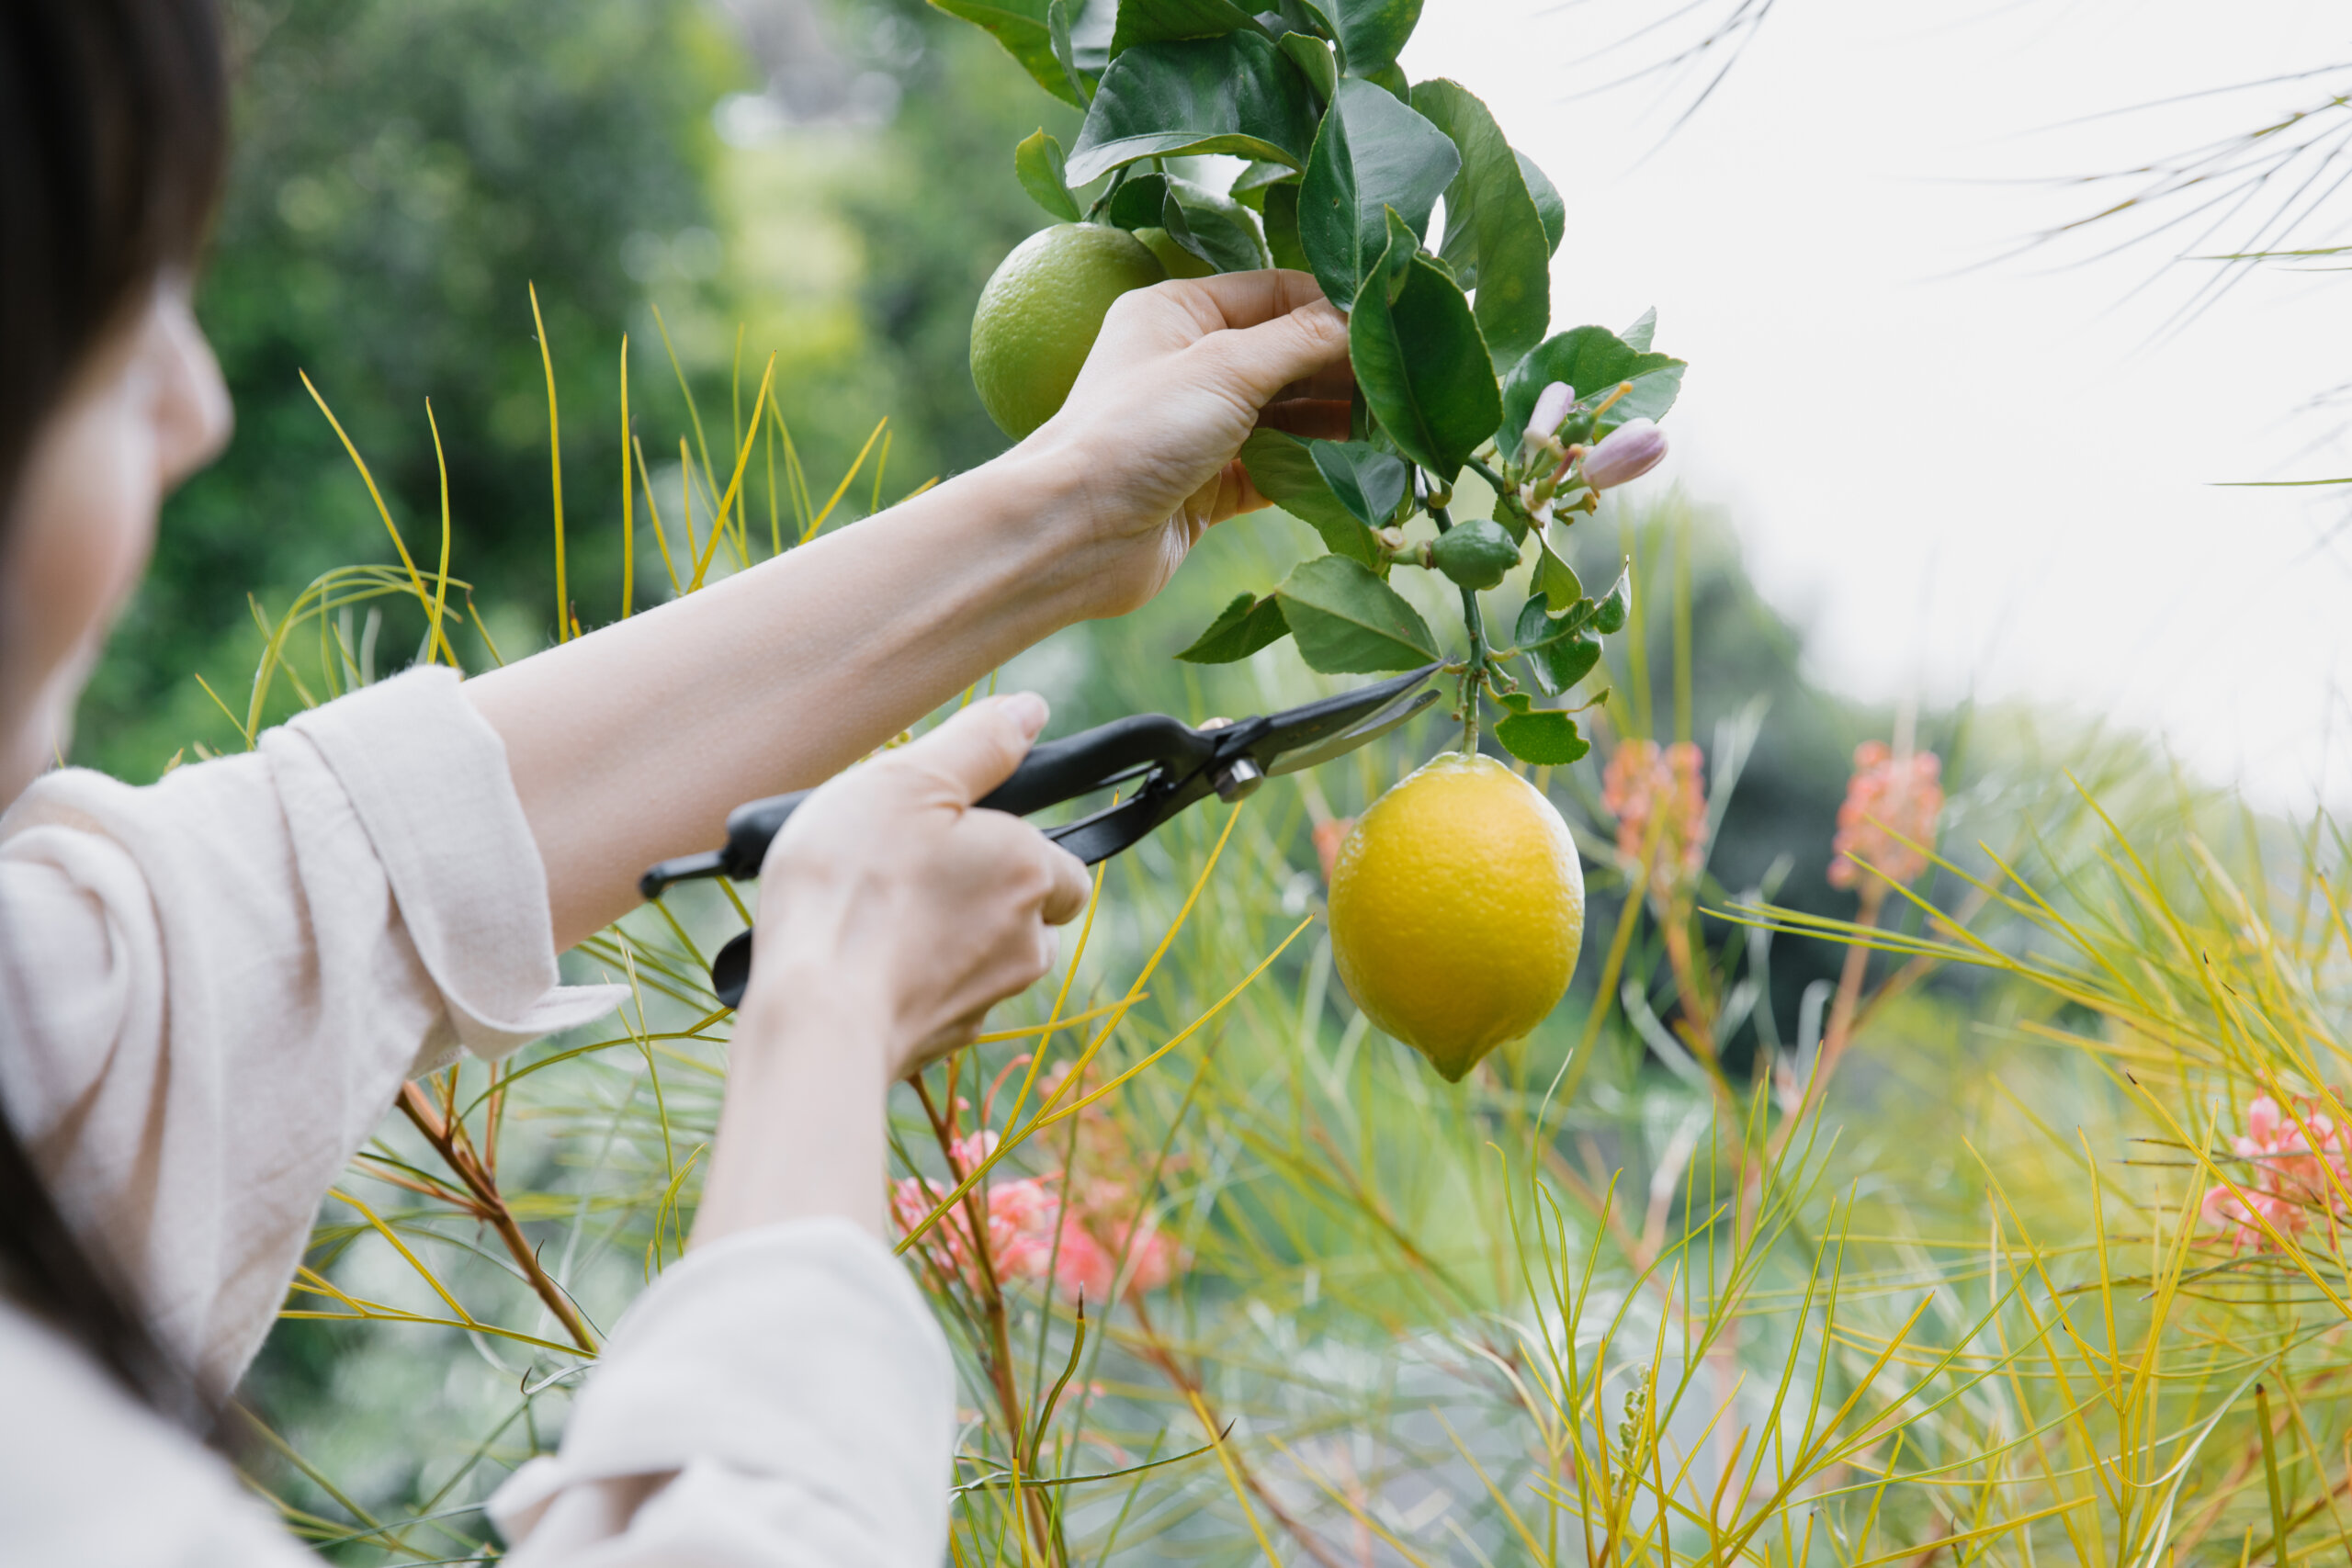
column 1457, row 909
column 1041, row 311
column 1180, row 262
column 1478, row 554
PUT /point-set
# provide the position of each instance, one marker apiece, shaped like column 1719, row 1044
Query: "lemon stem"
column 1475, row 669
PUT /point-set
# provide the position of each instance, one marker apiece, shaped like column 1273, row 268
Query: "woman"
column 211, row 987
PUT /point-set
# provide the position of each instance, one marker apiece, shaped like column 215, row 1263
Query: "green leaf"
column 1214, row 227
column 1372, row 33
column 1371, row 154
column 1494, row 236
column 1241, row 629
column 1556, row 578
column 1548, row 205
column 1160, row 22
column 1421, row 362
column 1609, row 616
column 1281, row 228
column 1348, row 622
column 1545, row 737
column 1637, row 336
column 1059, row 28
column 1249, row 186
column 1021, row 25
column 1038, row 161
column 1235, row 93
column 1495, row 240
column 1369, row 482
column 1560, row 665
column 1287, row 473
column 1592, row 360
column 1313, row 58
column 1535, row 629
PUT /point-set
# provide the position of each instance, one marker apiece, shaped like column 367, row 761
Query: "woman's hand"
column 887, row 893
column 892, row 916
column 1182, row 373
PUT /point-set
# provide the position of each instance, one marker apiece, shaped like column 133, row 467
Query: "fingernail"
column 1028, row 710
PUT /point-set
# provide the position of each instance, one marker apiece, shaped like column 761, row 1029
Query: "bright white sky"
column 1956, row 470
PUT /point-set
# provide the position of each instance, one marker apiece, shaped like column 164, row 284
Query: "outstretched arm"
column 631, row 744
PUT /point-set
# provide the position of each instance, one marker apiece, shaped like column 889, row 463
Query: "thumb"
column 1263, row 359
column 978, row 748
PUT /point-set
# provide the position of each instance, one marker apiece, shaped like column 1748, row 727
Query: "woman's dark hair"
column 113, row 133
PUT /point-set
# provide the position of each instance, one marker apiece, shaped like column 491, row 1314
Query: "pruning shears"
column 1178, row 763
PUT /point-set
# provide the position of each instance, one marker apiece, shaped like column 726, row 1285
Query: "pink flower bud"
column 1552, row 406
column 1625, row 454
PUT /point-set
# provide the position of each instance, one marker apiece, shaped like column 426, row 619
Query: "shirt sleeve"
column 782, row 1398
column 215, row 984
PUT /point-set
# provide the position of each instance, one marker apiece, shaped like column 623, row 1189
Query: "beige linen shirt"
column 211, row 989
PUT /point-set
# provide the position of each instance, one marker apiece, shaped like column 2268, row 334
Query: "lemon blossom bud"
column 1552, row 406
column 1625, row 454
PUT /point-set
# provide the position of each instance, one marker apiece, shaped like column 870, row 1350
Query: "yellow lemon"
column 1180, row 262
column 1040, row 313
column 1457, row 909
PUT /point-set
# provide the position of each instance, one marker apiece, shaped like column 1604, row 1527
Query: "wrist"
column 1052, row 528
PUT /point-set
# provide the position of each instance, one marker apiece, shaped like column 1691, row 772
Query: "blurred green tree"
column 405, row 170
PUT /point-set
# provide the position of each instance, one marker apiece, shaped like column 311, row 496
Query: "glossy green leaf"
column 1557, row 666
column 1235, row 93
column 1545, row 737
column 1593, row 360
column 1637, row 336
column 1420, row 361
column 1212, row 226
column 1285, row 472
column 1609, row 615
column 1347, row 621
column 1280, row 209
column 1370, row 33
column 1369, row 482
column 1371, row 156
column 1162, row 21
column 1556, row 578
column 1021, row 25
column 1548, row 205
column 1313, row 58
column 1494, row 237
column 1536, row 628
column 1038, row 163
column 1241, row 629
column 1250, row 184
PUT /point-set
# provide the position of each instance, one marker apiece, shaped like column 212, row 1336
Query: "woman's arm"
column 781, row 1397
column 631, row 744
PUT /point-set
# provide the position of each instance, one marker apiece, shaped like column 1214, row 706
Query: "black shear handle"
column 1052, row 772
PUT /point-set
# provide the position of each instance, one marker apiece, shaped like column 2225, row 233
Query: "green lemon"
column 1039, row 315
column 1475, row 554
column 1180, row 262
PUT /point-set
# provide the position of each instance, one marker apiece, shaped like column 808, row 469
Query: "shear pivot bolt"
column 1238, row 779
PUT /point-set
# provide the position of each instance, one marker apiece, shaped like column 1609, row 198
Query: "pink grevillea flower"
column 2290, row 1175
column 1021, row 1217
column 1659, row 798
column 1888, row 800
column 1083, row 1239
column 1624, row 455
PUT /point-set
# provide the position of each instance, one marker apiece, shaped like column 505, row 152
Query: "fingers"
column 1248, row 298
column 1258, row 362
column 1066, row 895
column 978, row 748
